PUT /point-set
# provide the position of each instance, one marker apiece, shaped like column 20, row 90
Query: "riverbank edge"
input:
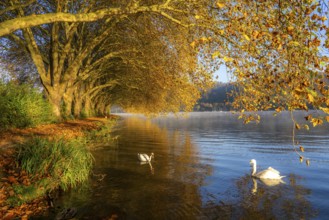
column 10, row 172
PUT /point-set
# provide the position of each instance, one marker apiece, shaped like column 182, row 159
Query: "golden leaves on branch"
column 316, row 121
column 255, row 34
column 194, row 44
column 325, row 110
column 301, row 157
column 246, row 37
column 274, row 57
column 284, row 66
column 307, row 161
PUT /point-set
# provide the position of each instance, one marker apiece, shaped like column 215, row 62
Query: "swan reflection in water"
column 267, row 182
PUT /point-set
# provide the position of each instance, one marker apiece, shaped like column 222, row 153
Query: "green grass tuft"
column 54, row 164
column 103, row 134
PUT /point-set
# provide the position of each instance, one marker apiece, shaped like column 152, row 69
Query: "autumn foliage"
column 277, row 53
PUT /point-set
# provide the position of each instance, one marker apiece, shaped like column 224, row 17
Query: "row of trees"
column 157, row 56
column 138, row 58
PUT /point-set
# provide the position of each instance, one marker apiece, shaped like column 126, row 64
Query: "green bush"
column 22, row 106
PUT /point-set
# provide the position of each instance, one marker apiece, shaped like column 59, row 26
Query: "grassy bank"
column 59, row 157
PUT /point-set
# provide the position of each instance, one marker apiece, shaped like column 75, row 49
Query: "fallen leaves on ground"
column 11, row 174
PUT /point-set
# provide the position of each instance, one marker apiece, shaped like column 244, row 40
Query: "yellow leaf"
column 221, row 32
column 307, row 162
column 301, row 159
column 278, row 109
column 220, row 5
column 215, row 54
column 246, row 37
column 306, row 127
column 301, row 148
column 290, row 28
column 255, row 34
column 228, row 59
column 197, row 17
column 193, row 44
column 309, row 117
column 316, row 121
column 294, row 43
column 280, row 47
column 297, row 126
column 327, row 118
column 325, row 110
column 203, row 39
column 310, row 98
column 299, row 90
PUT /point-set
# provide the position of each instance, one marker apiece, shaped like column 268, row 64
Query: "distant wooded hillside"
column 216, row 99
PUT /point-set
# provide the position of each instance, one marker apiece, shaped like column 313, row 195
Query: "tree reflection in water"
column 257, row 199
column 178, row 189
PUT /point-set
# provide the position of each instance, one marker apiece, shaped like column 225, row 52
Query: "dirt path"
column 69, row 129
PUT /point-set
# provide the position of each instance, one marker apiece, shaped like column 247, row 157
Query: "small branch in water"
column 301, row 157
column 101, row 176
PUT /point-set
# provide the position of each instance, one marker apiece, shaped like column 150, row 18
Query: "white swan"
column 145, row 157
column 269, row 173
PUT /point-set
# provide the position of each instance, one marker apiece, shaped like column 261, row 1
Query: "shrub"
column 22, row 106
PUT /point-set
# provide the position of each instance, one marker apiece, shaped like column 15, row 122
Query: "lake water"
column 201, row 170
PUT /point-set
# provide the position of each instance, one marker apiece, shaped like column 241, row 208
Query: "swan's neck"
column 253, row 171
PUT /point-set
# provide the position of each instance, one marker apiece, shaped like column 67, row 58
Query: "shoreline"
column 12, row 175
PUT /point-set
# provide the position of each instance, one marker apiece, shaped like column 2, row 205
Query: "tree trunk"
column 55, row 100
column 68, row 102
column 87, row 107
column 77, row 106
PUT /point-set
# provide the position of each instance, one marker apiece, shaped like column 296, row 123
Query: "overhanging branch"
column 9, row 26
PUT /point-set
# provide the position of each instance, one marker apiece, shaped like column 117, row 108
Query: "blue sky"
column 223, row 75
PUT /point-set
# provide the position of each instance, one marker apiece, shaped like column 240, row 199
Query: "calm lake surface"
column 201, row 171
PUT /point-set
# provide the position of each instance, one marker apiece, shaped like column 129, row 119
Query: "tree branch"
column 12, row 25
column 14, row 7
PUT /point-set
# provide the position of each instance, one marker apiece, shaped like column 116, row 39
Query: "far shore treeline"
column 216, row 99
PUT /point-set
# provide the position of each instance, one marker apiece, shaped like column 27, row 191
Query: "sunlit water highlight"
column 201, row 171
